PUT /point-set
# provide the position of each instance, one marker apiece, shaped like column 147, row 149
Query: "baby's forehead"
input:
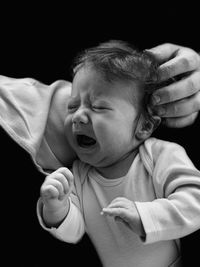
column 87, row 76
column 92, row 82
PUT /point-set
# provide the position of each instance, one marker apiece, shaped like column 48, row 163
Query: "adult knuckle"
column 166, row 72
column 194, row 58
column 185, row 62
column 168, row 94
column 188, row 120
column 191, row 86
column 196, row 103
column 192, row 118
column 197, row 79
column 175, row 109
column 178, row 123
column 173, row 123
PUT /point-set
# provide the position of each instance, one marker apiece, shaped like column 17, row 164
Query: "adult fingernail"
column 161, row 111
column 150, row 110
column 155, row 99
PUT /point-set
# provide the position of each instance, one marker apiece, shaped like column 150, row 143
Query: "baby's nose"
column 80, row 116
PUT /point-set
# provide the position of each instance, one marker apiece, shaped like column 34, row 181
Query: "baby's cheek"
column 103, row 131
column 68, row 128
column 109, row 130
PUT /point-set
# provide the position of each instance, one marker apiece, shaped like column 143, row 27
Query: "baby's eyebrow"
column 98, row 97
column 73, row 100
column 103, row 101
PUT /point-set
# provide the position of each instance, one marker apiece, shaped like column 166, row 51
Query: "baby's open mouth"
column 85, row 141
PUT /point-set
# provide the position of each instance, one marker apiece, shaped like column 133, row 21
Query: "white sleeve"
column 176, row 211
column 71, row 229
column 33, row 114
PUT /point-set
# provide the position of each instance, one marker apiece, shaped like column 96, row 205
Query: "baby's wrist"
column 54, row 217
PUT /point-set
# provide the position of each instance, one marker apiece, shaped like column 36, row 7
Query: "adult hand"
column 178, row 103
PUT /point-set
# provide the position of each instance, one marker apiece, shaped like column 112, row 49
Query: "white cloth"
column 165, row 186
column 33, row 115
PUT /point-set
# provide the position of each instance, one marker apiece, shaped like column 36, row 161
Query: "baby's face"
column 101, row 119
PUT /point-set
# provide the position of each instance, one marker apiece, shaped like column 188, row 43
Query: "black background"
column 40, row 42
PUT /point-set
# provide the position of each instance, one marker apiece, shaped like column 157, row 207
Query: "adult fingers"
column 180, row 122
column 175, row 60
column 177, row 90
column 180, row 108
column 185, row 61
column 164, row 51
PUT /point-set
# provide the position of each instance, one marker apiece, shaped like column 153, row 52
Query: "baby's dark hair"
column 118, row 60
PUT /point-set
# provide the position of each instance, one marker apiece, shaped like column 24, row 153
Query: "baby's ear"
column 146, row 126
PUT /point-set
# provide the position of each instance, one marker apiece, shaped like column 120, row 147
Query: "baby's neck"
column 119, row 168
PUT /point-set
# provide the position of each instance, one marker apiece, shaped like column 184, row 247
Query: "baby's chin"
column 94, row 161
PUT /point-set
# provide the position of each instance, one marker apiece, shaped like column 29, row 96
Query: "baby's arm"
column 58, row 209
column 55, row 193
column 175, row 212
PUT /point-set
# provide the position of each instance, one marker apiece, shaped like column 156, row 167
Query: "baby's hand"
column 125, row 210
column 56, row 189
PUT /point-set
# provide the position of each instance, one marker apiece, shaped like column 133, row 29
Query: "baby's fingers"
column 114, row 212
column 63, row 183
column 49, row 191
column 65, row 176
column 58, row 184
